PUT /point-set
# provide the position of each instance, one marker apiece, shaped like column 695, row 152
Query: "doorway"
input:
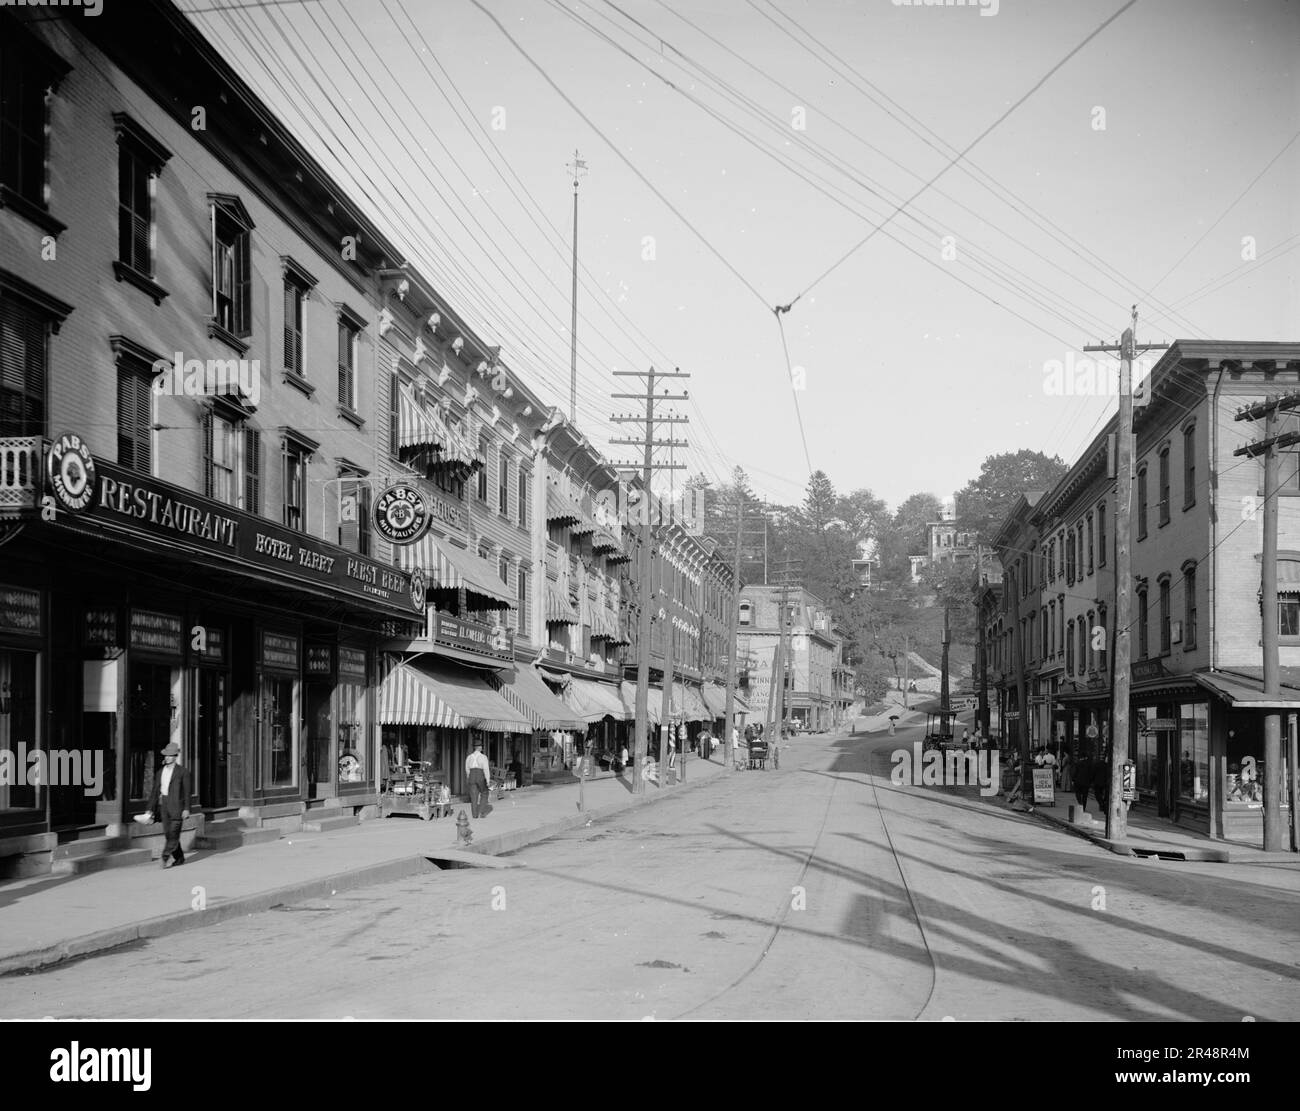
column 212, row 738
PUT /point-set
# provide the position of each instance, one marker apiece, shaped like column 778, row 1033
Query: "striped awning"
column 603, row 625
column 604, row 541
column 450, row 568
column 423, row 426
column 582, row 525
column 559, row 610
column 559, row 509
column 592, row 701
column 526, row 692
column 431, row 692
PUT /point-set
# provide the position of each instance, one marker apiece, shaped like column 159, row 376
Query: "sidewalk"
column 47, row 919
column 1148, row 835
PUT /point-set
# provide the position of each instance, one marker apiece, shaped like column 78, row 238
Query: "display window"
column 18, row 735
column 1194, row 751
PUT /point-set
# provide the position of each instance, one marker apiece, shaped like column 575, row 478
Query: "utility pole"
column 945, row 699
column 579, row 169
column 1116, row 809
column 789, row 570
column 733, row 649
column 1022, row 710
column 907, row 671
column 1274, row 787
column 647, row 443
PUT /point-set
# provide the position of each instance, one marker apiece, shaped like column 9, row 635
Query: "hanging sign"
column 401, row 514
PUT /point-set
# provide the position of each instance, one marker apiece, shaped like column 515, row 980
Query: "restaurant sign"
column 181, row 519
column 1148, row 669
column 20, row 610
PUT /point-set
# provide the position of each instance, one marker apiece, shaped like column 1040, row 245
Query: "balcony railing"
column 20, row 474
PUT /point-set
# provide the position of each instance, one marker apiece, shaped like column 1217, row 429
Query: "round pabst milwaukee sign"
column 71, row 470
column 418, row 589
column 401, row 515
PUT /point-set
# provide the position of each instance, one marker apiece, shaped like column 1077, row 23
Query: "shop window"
column 352, row 731
column 1142, row 502
column 140, row 159
column 18, row 725
column 1145, row 750
column 232, row 311
column 30, row 72
column 280, row 739
column 1189, row 605
column 1288, row 617
column 1194, row 750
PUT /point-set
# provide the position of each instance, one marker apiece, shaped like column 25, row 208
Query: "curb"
column 385, row 872
column 1130, row 848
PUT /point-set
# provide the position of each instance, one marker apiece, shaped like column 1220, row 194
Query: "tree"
column 983, row 504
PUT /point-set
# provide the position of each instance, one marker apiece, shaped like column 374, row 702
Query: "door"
column 149, row 719
column 320, row 740
column 213, row 738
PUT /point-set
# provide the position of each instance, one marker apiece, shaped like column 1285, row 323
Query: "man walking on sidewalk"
column 168, row 804
column 477, row 771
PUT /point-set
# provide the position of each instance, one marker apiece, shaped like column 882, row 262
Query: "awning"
column 688, row 703
column 592, row 701
column 654, row 703
column 533, row 698
column 739, row 705
column 429, row 692
column 715, row 698
column 420, row 426
column 603, row 625
column 559, row 610
column 1245, row 692
column 604, row 541
column 449, row 568
column 582, row 526
column 559, row 509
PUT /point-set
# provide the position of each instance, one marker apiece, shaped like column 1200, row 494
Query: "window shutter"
column 345, row 375
column 252, row 471
column 134, row 418
column 207, row 454
column 243, row 299
column 212, row 212
column 290, row 329
column 125, row 420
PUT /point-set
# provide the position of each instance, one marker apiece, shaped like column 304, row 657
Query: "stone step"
column 231, row 835
column 321, row 825
column 80, row 865
column 88, row 847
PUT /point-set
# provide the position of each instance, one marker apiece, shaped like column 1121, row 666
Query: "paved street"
column 816, row 891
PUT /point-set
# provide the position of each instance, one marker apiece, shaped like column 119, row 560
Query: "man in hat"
column 168, row 804
column 478, row 771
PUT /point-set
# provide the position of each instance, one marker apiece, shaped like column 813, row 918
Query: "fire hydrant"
column 464, row 835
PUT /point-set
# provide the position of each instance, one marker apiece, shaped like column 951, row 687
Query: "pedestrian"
column 622, row 759
column 169, row 804
column 1067, row 768
column 1081, row 773
column 705, row 743
column 1101, row 782
column 478, row 772
column 892, row 722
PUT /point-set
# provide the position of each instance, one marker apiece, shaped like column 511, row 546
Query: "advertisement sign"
column 401, row 515
column 1044, row 786
column 486, row 639
column 113, row 497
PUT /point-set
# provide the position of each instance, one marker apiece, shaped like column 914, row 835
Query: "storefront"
column 138, row 614
column 1169, row 743
column 433, row 711
column 526, row 692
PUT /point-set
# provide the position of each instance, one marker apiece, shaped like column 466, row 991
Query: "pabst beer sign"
column 401, row 514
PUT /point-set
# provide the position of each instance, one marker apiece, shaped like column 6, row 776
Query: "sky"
column 952, row 200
